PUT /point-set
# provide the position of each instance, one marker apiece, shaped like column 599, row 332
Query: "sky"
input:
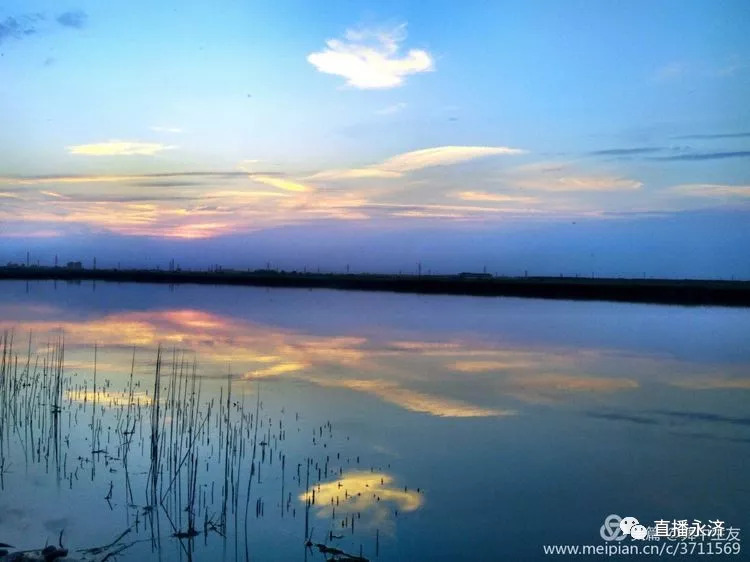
column 592, row 138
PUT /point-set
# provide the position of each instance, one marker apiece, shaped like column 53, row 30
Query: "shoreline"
column 655, row 291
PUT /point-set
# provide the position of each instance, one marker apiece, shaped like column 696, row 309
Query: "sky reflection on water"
column 507, row 414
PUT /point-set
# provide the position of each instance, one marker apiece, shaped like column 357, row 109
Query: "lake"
column 388, row 426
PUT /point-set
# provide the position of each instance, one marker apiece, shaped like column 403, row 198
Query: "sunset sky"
column 556, row 137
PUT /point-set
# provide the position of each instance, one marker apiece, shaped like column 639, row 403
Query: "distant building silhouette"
column 74, row 265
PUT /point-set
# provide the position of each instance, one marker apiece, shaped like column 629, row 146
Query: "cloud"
column 414, row 401
column 373, row 496
column 435, row 210
column 276, row 370
column 119, row 148
column 442, row 156
column 733, row 65
column 391, row 109
column 672, row 70
column 281, row 183
column 354, row 173
column 17, row 27
column 247, row 165
column 580, row 183
column 53, row 194
column 703, row 417
column 428, row 215
column 39, row 233
column 484, row 366
column 494, row 197
column 369, row 58
column 75, row 18
column 727, row 69
column 713, row 383
column 244, row 194
column 242, row 201
column 710, row 136
column 160, row 205
column 625, row 151
column 398, row 165
column 713, row 190
column 544, row 167
column 550, row 386
column 682, row 154
column 54, row 178
column 197, row 231
column 551, row 176
column 167, row 183
column 166, row 129
column 703, row 156
column 730, row 69
column 89, row 197
column 614, row 416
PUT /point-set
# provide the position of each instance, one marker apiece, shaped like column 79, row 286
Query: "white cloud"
column 713, row 190
column 53, row 194
column 353, row 174
column 280, row 183
column 397, row 166
column 391, row 109
column 247, row 165
column 166, row 129
column 579, row 183
column 119, row 148
column 369, row 59
column 442, row 156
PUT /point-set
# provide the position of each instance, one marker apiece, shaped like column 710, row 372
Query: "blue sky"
column 491, row 127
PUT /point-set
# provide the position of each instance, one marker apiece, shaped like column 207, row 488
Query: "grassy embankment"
column 666, row 291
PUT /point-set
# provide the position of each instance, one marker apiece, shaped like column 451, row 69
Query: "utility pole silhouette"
column 27, row 259
column 419, row 269
column 55, row 260
column 94, row 264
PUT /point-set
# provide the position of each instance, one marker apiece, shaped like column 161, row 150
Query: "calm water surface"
column 432, row 428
